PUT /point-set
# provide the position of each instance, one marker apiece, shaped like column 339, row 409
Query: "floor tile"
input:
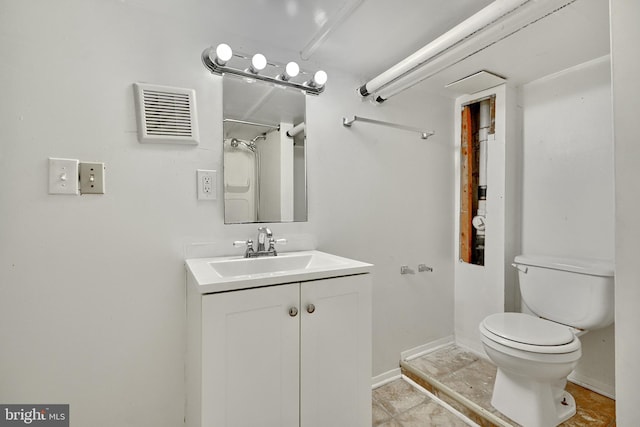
column 379, row 415
column 430, row 414
column 400, row 404
column 474, row 381
column 391, row 423
column 444, row 361
column 397, row 397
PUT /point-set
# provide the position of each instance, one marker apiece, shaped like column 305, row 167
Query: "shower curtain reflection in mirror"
column 240, row 180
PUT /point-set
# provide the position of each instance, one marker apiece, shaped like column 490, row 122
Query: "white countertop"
column 220, row 274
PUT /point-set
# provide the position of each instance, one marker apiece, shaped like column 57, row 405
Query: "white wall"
column 92, row 287
column 384, row 196
column 568, row 188
column 568, row 163
column 625, row 55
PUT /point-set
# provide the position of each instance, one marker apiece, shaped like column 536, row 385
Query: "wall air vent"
column 166, row 114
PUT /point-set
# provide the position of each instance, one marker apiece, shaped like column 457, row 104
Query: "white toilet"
column 534, row 355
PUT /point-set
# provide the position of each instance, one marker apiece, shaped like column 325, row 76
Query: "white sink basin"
column 230, row 273
column 253, row 266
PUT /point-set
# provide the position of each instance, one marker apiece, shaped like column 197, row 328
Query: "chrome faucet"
column 265, row 236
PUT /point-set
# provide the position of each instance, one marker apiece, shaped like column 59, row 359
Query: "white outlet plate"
column 207, row 183
column 63, row 176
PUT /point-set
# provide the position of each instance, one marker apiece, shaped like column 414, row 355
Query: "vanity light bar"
column 216, row 60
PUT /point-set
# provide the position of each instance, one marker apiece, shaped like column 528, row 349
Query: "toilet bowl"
column 534, row 355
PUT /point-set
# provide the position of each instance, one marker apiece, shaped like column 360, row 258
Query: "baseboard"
column 593, row 385
column 421, row 350
column 386, row 377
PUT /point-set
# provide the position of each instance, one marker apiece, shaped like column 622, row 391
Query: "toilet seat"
column 532, row 334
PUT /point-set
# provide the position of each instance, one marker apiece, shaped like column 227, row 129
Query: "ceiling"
column 379, row 33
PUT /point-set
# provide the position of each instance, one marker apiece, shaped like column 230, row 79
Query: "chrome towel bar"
column 423, row 134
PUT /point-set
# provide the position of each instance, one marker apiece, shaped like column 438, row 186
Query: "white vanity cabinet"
column 296, row 354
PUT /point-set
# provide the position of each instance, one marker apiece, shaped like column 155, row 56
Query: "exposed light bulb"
column 223, row 54
column 318, row 81
column 292, row 69
column 320, row 78
column 258, row 63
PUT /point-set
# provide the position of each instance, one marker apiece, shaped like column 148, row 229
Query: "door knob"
column 293, row 312
column 311, row 308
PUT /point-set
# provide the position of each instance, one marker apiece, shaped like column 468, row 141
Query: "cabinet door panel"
column 250, row 364
column 336, row 352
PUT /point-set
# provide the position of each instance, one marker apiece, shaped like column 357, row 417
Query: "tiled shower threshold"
column 465, row 382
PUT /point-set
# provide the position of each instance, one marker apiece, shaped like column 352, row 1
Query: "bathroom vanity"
column 279, row 341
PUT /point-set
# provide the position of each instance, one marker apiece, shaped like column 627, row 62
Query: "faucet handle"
column 249, row 244
column 272, row 245
column 273, row 242
column 244, row 243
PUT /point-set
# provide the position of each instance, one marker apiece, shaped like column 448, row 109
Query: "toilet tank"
column 575, row 292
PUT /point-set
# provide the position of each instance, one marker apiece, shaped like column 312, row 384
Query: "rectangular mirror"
column 264, row 166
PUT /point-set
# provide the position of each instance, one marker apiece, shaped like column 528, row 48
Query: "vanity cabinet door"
column 250, row 358
column 335, row 352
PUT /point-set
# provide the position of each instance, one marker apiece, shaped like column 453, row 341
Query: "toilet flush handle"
column 522, row 268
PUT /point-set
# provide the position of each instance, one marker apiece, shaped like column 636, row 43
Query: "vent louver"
column 166, row 114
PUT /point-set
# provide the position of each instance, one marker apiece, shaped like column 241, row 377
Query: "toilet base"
column 532, row 403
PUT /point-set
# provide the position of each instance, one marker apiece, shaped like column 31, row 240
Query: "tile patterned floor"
column 465, row 381
column 398, row 404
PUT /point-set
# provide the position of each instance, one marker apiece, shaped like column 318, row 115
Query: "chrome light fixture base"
column 209, row 59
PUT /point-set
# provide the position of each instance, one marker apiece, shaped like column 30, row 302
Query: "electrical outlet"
column 207, row 188
column 206, row 184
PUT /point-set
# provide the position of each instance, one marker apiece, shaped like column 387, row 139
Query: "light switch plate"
column 63, row 176
column 207, row 182
column 91, row 178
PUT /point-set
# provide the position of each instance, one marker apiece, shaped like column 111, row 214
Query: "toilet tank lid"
column 527, row 329
column 593, row 267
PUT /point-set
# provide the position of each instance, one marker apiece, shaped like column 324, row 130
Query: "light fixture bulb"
column 258, row 63
column 223, row 54
column 292, row 69
column 320, row 78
